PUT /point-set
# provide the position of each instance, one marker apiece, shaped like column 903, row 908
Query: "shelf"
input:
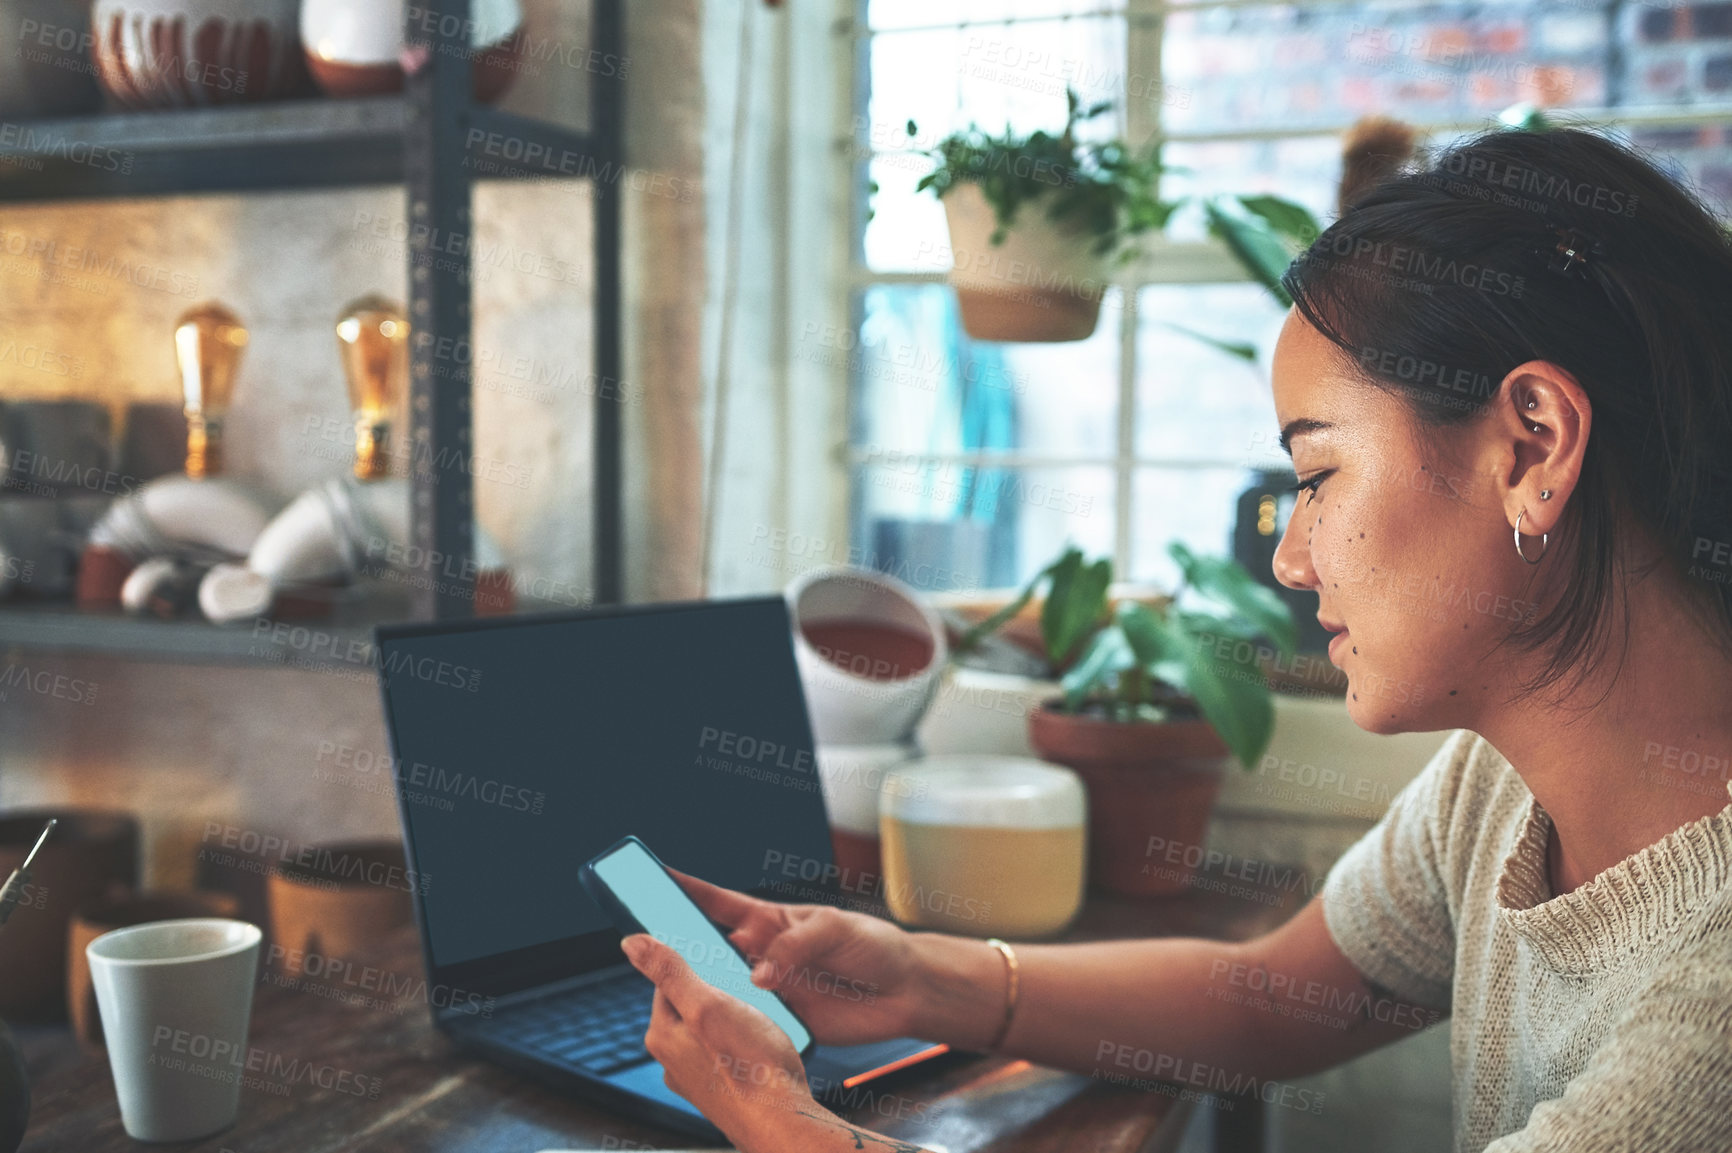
column 285, row 145
column 344, row 642
column 340, row 643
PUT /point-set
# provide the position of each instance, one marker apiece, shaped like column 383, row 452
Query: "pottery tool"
column 9, row 893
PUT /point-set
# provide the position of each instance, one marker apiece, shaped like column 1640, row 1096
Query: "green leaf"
column 1252, row 242
column 1107, row 655
column 1161, row 649
column 1289, row 219
column 1075, row 603
column 1233, row 698
column 1524, row 118
column 1226, row 582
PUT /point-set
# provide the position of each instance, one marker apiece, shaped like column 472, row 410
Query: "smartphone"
column 638, row 894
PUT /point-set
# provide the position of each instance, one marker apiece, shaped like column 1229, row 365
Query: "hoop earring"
column 1545, row 541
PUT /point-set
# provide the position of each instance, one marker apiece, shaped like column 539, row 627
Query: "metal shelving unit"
column 436, row 141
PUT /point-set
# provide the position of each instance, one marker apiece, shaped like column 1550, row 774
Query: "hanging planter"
column 1037, row 222
column 1042, row 281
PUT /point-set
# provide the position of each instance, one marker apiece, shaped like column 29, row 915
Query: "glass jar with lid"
column 985, row 846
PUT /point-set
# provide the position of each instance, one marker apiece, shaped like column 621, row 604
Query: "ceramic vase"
column 355, row 47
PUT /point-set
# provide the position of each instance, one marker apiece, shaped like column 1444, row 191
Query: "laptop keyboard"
column 597, row 1027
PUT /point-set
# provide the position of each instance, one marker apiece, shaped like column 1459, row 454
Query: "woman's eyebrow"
column 1300, row 427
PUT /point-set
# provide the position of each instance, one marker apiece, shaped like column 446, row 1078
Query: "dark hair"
column 1438, row 282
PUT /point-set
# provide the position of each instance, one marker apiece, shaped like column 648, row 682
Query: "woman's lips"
column 1340, row 639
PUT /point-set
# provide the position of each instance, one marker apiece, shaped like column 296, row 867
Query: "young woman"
column 1507, row 390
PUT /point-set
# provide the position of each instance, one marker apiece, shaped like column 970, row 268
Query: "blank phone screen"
column 668, row 915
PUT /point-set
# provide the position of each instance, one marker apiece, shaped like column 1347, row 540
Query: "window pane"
column 1676, row 54
column 950, row 526
column 921, row 386
column 1195, row 401
column 1289, row 66
column 907, row 232
column 992, row 75
column 995, row 75
column 915, row 13
column 1306, row 169
column 1192, row 505
column 921, row 13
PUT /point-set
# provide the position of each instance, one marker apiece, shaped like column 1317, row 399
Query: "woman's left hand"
column 720, row 1053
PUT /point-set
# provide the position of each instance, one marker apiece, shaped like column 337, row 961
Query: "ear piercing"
column 1544, row 541
column 1545, row 494
column 1532, row 403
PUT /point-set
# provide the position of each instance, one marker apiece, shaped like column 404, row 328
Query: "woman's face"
column 1411, row 558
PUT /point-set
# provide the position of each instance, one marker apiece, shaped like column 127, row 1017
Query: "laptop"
column 523, row 746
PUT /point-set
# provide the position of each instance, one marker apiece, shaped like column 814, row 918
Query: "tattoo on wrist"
column 863, row 1138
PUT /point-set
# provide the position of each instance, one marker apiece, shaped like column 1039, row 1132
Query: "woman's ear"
column 1541, row 421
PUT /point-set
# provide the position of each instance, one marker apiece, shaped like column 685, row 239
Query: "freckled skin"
column 1395, row 536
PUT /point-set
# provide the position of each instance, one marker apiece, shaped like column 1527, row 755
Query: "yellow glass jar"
column 984, row 846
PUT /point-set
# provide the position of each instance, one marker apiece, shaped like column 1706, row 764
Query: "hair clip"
column 1575, row 252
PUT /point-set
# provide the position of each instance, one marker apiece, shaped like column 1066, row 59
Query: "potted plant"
column 1029, row 277
column 1156, row 699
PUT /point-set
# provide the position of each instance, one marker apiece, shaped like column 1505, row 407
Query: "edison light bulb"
column 208, row 342
column 373, row 336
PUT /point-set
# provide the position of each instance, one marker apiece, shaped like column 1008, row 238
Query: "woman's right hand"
column 850, row 977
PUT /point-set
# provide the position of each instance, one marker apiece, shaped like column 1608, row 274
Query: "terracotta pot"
column 88, row 853
column 192, row 53
column 1151, row 791
column 1040, row 284
column 119, row 910
column 355, row 47
column 338, row 905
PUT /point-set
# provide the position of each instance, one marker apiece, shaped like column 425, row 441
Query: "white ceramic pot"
column 191, row 53
column 869, row 651
column 355, row 47
column 1042, row 283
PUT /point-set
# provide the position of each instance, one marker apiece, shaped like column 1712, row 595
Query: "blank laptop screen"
column 523, row 750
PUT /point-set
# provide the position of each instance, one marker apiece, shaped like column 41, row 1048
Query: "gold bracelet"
column 1012, row 973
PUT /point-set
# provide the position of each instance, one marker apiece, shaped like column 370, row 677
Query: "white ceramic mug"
column 175, row 999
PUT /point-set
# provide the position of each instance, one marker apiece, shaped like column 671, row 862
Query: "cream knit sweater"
column 1597, row 1021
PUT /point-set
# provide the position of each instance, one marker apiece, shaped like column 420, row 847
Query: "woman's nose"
column 1293, row 555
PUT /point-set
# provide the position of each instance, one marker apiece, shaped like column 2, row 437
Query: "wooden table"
column 377, row 1078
